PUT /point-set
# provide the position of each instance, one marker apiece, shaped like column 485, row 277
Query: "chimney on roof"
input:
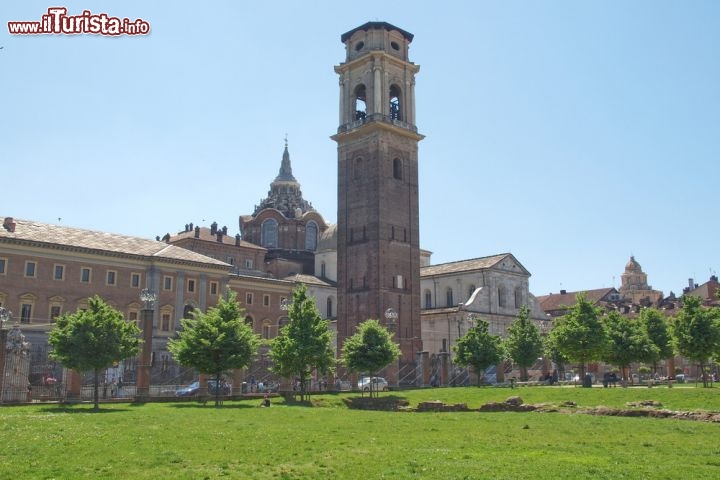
column 237, row 240
column 213, row 228
column 563, row 292
column 224, row 230
column 197, row 232
column 219, row 234
column 691, row 283
column 9, row 224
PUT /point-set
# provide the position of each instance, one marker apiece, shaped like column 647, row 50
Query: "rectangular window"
column 165, row 322
column 135, row 280
column 54, row 313
column 248, row 263
column 59, row 273
column 191, row 286
column 25, row 313
column 167, row 283
column 85, row 275
column 266, row 300
column 30, row 269
column 213, row 288
column 111, row 277
column 248, row 298
column 3, row 265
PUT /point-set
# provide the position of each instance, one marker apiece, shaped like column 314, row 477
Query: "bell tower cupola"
column 377, row 81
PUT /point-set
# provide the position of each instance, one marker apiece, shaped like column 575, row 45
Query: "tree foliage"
column 216, row 341
column 93, row 339
column 552, row 351
column 478, row 349
column 579, row 334
column 695, row 332
column 370, row 349
column 523, row 343
column 628, row 342
column 655, row 325
column 304, row 344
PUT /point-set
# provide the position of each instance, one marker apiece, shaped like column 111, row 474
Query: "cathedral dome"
column 633, row 266
column 328, row 239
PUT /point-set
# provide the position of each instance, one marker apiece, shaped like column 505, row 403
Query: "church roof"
column 98, row 243
column 468, row 265
column 328, row 239
column 557, row 301
column 633, row 265
column 309, row 280
column 285, row 195
column 206, row 235
column 376, row 26
column 285, row 174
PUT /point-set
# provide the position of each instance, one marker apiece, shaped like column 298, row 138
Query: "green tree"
column 93, row 339
column 304, row 344
column 370, row 349
column 478, row 349
column 695, row 332
column 552, row 351
column 579, row 334
column 628, row 342
column 217, row 341
column 523, row 343
column 656, row 326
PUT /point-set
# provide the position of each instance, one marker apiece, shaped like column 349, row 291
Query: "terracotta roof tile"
column 556, row 301
column 462, row 265
column 102, row 243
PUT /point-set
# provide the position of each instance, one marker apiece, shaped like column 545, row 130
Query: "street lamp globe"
column 391, row 316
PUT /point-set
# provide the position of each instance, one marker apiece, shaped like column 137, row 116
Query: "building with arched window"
column 286, row 225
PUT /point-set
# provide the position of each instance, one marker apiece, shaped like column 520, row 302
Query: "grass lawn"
column 327, row 440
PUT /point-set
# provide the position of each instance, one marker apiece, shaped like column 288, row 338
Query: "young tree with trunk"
column 369, row 350
column 523, row 343
column 216, row 342
column 655, row 325
column 304, row 345
column 579, row 334
column 628, row 342
column 478, row 349
column 93, row 339
column 695, row 333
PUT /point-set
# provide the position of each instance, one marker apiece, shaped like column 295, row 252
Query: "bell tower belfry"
column 378, row 217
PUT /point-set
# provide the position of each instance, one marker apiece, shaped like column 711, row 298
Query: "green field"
column 325, row 439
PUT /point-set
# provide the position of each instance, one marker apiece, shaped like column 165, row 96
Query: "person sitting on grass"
column 266, row 401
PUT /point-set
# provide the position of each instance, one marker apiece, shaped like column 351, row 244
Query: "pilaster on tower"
column 378, row 216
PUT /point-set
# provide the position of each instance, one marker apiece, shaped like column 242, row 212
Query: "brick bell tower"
column 378, row 219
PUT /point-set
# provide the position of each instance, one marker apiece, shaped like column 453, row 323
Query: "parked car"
column 188, row 391
column 194, row 388
column 376, row 384
column 225, row 388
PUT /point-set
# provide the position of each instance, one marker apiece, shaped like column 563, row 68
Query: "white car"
column 376, row 384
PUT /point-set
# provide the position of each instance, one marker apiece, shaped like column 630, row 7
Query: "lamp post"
column 148, row 298
column 391, row 323
column 5, row 316
column 391, row 317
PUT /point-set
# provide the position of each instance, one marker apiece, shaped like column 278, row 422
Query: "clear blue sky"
column 571, row 134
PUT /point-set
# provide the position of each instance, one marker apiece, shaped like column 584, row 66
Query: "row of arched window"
column 269, row 237
column 502, row 297
column 394, row 107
